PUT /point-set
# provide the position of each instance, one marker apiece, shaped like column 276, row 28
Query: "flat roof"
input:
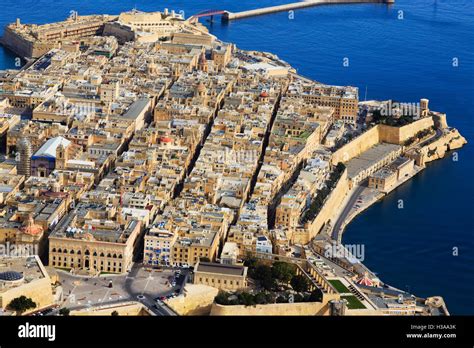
column 368, row 158
column 209, row 267
column 137, row 108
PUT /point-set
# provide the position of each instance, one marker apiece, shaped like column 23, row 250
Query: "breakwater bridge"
column 228, row 16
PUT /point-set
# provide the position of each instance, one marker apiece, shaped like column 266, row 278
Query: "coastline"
column 381, row 196
column 352, row 216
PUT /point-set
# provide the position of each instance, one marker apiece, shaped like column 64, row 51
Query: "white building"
column 264, row 245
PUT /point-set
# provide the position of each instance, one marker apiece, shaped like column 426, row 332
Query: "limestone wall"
column 121, row 33
column 328, row 211
column 451, row 140
column 196, row 300
column 398, row 135
column 39, row 291
column 358, row 145
column 378, row 134
column 25, row 48
column 303, row 308
column 20, row 46
column 126, row 309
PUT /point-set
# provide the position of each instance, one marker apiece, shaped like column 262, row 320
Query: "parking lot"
column 140, row 284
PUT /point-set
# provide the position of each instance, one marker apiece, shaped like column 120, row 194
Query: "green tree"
column 298, row 298
column 316, row 296
column 269, row 297
column 260, row 298
column 250, row 262
column 21, row 304
column 222, row 298
column 263, row 274
column 281, row 299
column 115, row 314
column 246, row 299
column 64, row 311
column 299, row 283
column 283, row 271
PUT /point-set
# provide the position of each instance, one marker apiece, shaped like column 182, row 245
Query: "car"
column 162, row 298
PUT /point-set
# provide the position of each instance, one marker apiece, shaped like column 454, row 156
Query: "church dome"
column 31, row 228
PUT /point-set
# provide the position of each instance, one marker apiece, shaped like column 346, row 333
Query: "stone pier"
column 293, row 6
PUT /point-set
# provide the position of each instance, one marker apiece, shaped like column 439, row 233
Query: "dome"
column 264, row 94
column 31, row 228
column 11, row 276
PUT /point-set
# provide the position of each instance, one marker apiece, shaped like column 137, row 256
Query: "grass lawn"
column 353, row 302
column 341, row 288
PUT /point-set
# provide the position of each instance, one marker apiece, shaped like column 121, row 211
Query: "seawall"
column 297, row 5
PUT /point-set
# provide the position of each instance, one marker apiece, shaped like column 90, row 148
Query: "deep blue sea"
column 403, row 59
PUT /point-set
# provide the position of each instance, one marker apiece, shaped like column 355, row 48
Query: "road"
column 337, row 231
column 139, row 284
